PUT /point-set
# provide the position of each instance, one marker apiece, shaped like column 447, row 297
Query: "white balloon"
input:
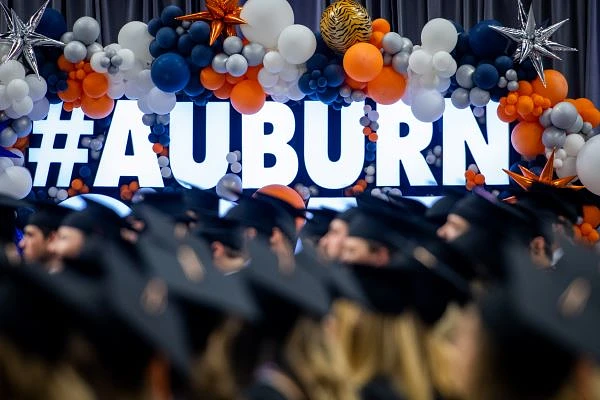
column 294, row 92
column 17, row 90
column 5, row 162
column 289, row 73
column 428, row 106
column 443, row 85
column 161, row 102
column 273, row 62
column 11, row 113
column 23, row 107
column 4, row 103
column 439, row 34
column 588, row 165
column 450, row 71
column 420, row 61
column 297, row 43
column 430, row 80
column 144, row 80
column 15, row 182
column 573, row 143
column 569, row 167
column 143, row 105
column 10, row 70
column 442, row 60
column 40, row 109
column 37, row 87
column 128, row 58
column 17, row 161
column 96, row 62
column 267, row 79
column 135, row 37
column 265, row 20
column 133, row 91
column 116, row 90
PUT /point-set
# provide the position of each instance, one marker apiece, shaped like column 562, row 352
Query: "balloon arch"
column 352, row 59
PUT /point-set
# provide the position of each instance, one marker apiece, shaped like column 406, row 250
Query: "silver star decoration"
column 534, row 43
column 22, row 36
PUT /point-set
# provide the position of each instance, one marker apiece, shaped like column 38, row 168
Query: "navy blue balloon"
column 503, row 64
column 328, row 96
column 168, row 15
column 155, row 49
column 194, row 88
column 486, row 42
column 158, row 129
column 468, row 59
column 486, row 76
column 152, row 138
column 317, row 61
column 166, row 37
column 322, row 82
column 496, row 93
column 202, row 55
column 185, row 44
column 52, row 24
column 61, row 85
column 85, row 171
column 303, row 84
column 371, row 146
column 312, row 84
column 316, row 74
column 334, row 74
column 459, row 27
column 200, row 32
column 164, row 140
column 369, row 156
column 462, row 44
column 170, row 73
column 154, row 25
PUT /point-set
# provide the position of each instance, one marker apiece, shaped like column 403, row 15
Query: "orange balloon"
column 591, row 215
column 133, row 186
column 211, row 79
column 85, row 189
column 287, row 195
column 234, row 79
column 248, row 97
column 525, row 88
column 157, row 148
column 388, row 87
column 95, row 85
column 582, row 103
column 252, row 72
column 72, row 93
column 64, row 64
column 593, row 237
column 87, row 68
column 556, row 88
column 355, row 84
column 68, row 106
column 381, row 25
column 80, row 74
column 586, row 228
column 363, row 62
column 479, row 179
column 77, row 184
column 224, row 92
column 591, row 115
column 526, row 138
column 512, row 98
column 504, row 117
column 97, row 108
column 525, row 105
column 376, row 39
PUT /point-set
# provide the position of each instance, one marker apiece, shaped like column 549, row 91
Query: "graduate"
column 330, row 245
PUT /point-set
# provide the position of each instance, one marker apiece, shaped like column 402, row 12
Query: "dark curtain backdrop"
column 407, row 17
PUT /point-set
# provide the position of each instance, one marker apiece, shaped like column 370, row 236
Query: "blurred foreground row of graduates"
column 473, row 298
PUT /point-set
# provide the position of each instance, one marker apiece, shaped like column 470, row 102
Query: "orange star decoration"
column 223, row 15
column 546, row 177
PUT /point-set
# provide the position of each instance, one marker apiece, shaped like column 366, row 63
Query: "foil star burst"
column 223, row 16
column 546, row 177
column 534, row 42
column 22, row 36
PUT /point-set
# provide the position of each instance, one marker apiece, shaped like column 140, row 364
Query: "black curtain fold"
column 406, row 16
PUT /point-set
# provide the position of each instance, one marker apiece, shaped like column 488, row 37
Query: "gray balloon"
column 149, row 119
column 254, row 53
column 502, row 82
column 553, row 137
column 513, row 86
column 180, row 30
column 387, row 59
column 358, row 95
column 479, row 97
column 545, row 120
column 460, row 98
column 587, row 128
column 116, row 60
column 564, row 115
column 94, row 48
column 22, row 126
column 218, row 63
column 75, row 51
column 86, row 29
column 407, row 45
column 229, row 187
column 3, row 116
column 67, row 37
column 511, row 75
column 163, row 119
column 345, row 91
column 576, row 127
column 233, row 45
column 113, row 69
column 236, row 65
column 105, row 62
column 400, row 62
column 464, row 76
column 8, row 137
column 392, row 43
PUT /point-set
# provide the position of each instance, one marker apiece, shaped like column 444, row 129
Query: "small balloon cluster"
column 234, row 159
column 78, row 186
column 127, row 191
column 370, row 124
column 165, row 168
column 159, row 128
column 473, row 177
column 434, row 156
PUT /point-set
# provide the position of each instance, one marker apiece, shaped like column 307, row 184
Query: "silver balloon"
column 345, row 91
column 3, row 116
column 116, row 60
column 22, row 126
column 545, row 120
column 387, row 59
column 8, row 137
column 149, row 119
column 105, row 62
column 67, row 37
column 254, row 53
column 576, row 127
column 229, row 187
column 464, row 76
column 511, row 75
column 233, row 45
column 479, row 97
column 564, row 115
column 553, row 137
column 113, row 70
column 460, row 98
column 93, row 49
column 392, row 43
column 236, row 65
column 407, row 45
column 513, row 86
column 587, row 128
column 358, row 95
column 218, row 63
column 75, row 51
column 502, row 82
column 86, row 30
column 163, row 119
column 400, row 62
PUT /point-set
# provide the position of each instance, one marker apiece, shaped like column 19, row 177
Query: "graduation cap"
column 8, row 207
column 560, row 202
column 172, row 204
column 203, row 203
column 347, row 215
column 48, row 216
column 318, row 224
column 226, row 231
column 411, row 205
column 96, row 219
column 438, row 212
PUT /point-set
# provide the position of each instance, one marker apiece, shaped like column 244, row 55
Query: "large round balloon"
column 247, row 97
column 15, row 182
column 588, row 165
column 388, row 87
column 556, row 88
column 297, row 44
column 170, row 73
column 526, row 138
column 363, row 62
column 345, row 23
column 265, row 19
column 428, row 105
column 135, row 37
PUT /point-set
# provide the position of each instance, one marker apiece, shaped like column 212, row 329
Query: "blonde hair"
column 393, row 347
column 317, row 362
column 30, row 377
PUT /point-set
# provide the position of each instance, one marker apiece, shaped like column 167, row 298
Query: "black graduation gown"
column 263, row 391
column 380, row 388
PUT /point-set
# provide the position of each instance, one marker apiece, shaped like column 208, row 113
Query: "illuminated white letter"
column 393, row 149
column 255, row 144
column 324, row 172
column 460, row 128
column 207, row 173
column 114, row 163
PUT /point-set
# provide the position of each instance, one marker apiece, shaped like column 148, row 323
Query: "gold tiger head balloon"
column 345, row 23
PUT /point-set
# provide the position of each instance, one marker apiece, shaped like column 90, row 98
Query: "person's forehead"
column 32, row 229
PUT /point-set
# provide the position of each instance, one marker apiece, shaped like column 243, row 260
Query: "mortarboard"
column 413, row 206
column 318, row 224
column 438, row 212
column 202, row 202
column 172, row 204
column 561, row 202
column 48, row 216
column 347, row 215
column 96, row 219
column 226, row 231
column 8, row 207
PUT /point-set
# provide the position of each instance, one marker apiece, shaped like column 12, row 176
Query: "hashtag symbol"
column 46, row 154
